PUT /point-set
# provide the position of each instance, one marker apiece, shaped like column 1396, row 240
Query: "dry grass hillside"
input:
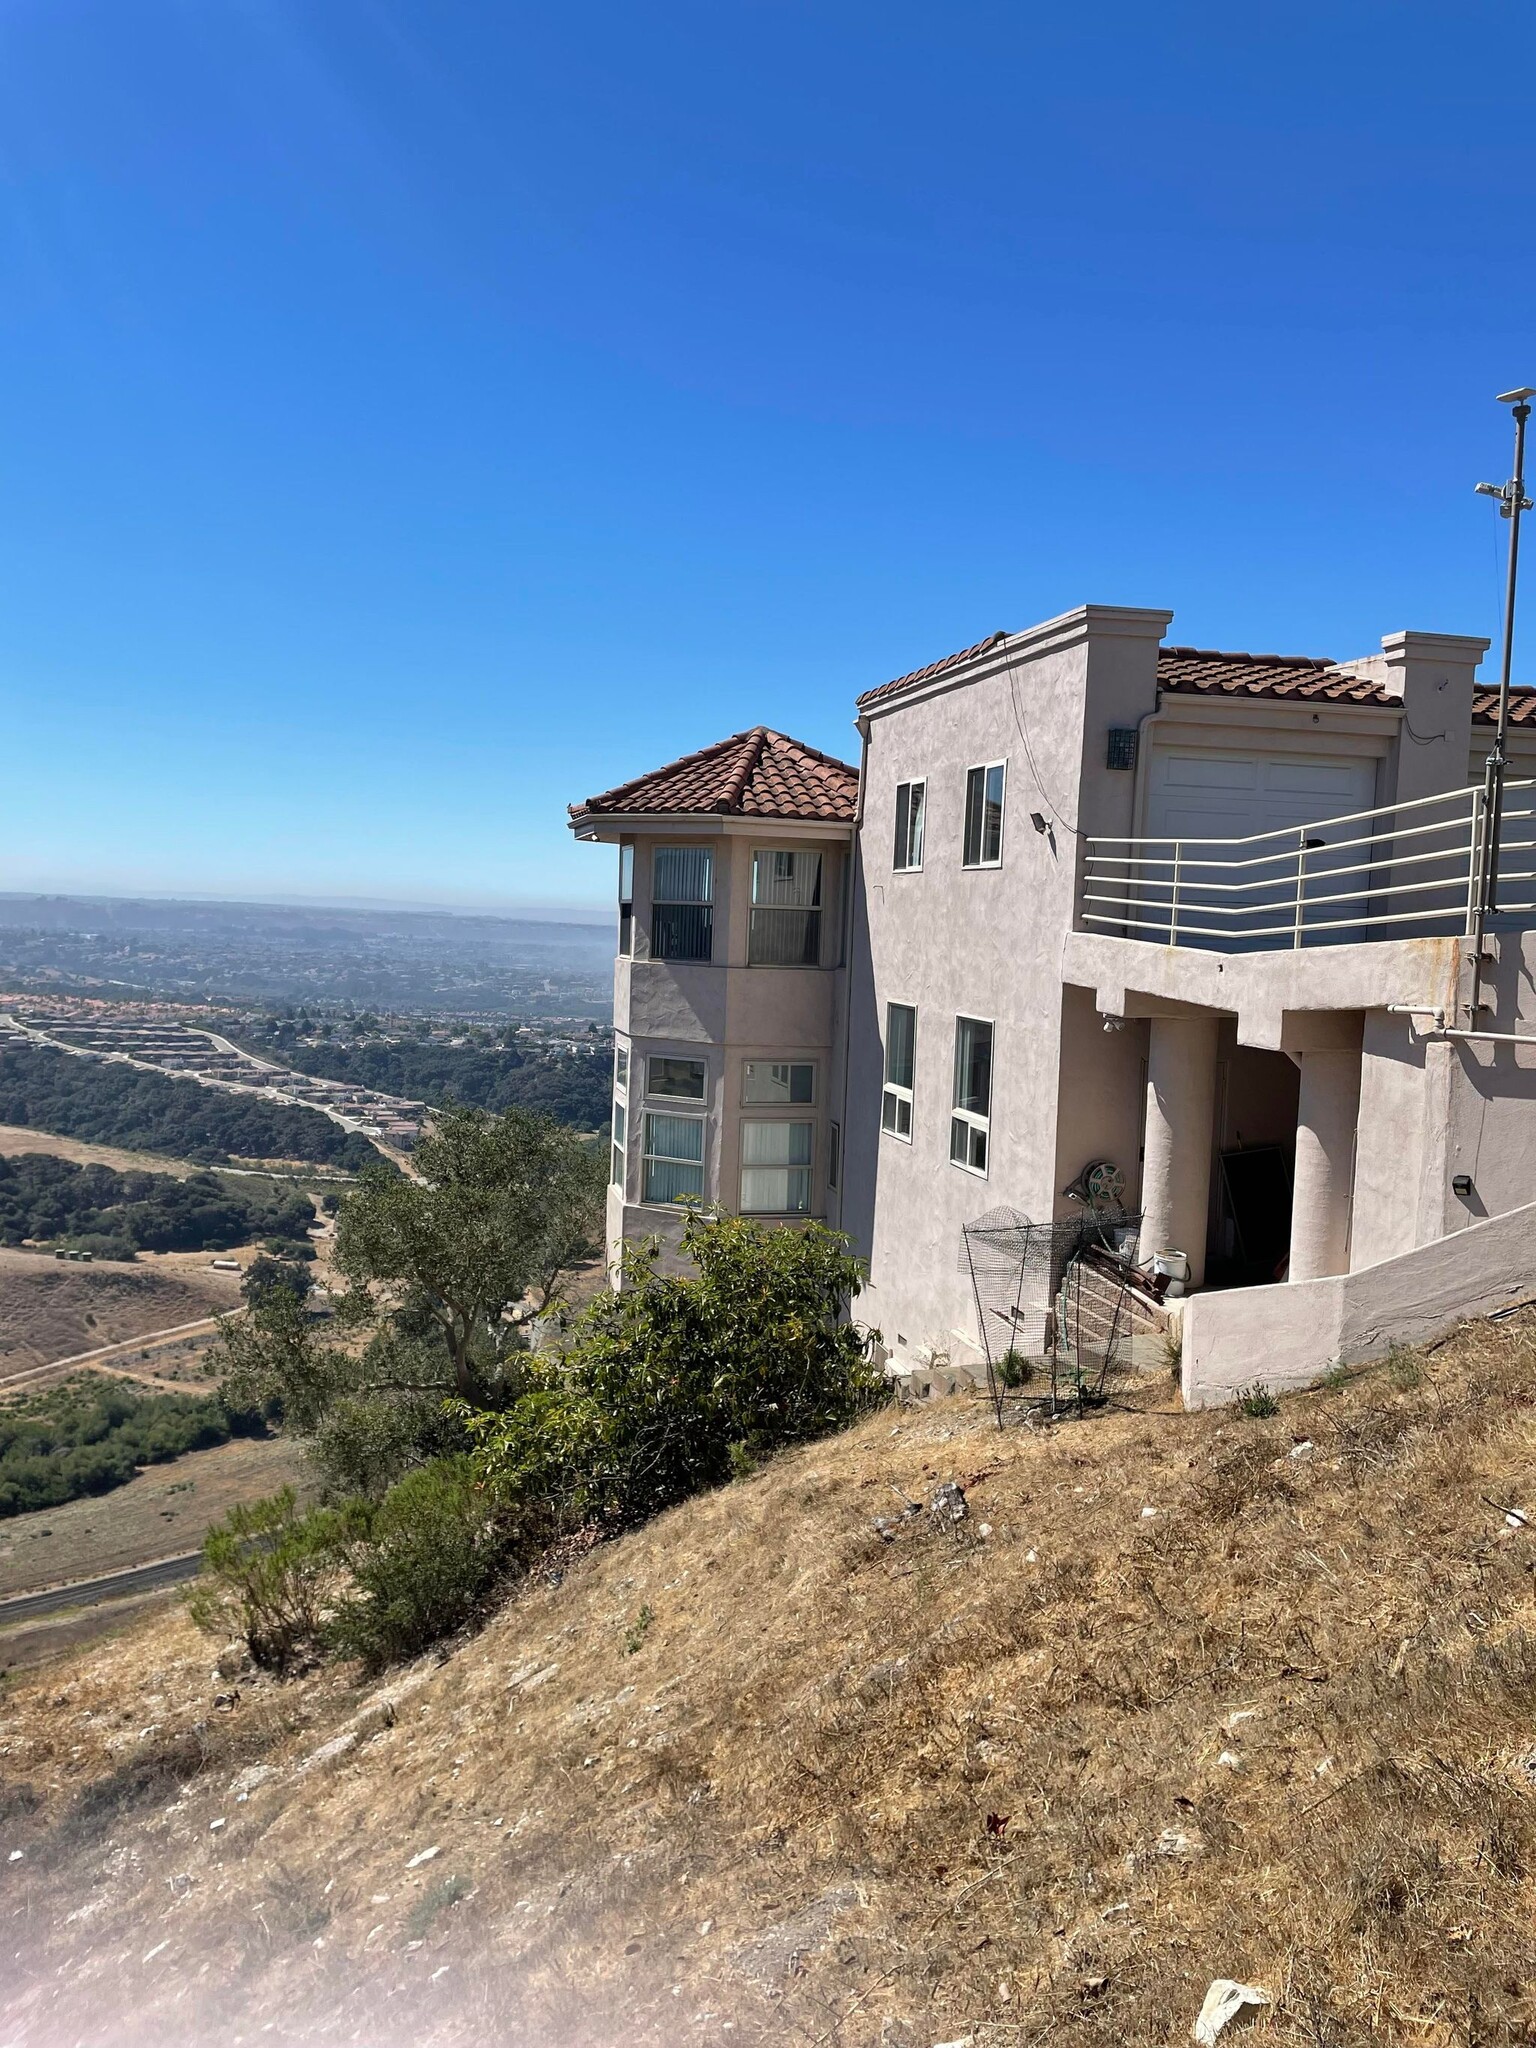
column 1181, row 1701
column 50, row 1310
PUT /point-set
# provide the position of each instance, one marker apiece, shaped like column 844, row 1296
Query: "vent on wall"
column 1122, row 747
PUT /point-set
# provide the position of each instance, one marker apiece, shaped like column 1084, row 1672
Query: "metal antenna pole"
column 1512, row 502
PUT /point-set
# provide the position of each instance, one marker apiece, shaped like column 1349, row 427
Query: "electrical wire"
column 1018, row 719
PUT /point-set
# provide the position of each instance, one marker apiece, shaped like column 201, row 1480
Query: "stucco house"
column 1092, row 897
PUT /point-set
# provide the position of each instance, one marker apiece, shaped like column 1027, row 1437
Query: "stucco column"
column 1176, row 1168
column 1326, row 1117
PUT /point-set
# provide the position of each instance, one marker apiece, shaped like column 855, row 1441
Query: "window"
column 911, row 801
column 896, row 1103
column 779, row 1081
column 682, row 896
column 680, row 1078
column 620, row 1066
column 970, row 1123
column 674, row 1158
column 984, row 816
column 620, row 1118
column 775, row 1169
column 834, row 1154
column 626, row 899
column 786, row 909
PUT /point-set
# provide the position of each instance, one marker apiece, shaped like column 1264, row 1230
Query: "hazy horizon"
column 581, row 914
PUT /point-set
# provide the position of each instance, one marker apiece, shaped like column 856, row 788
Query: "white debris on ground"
column 1226, row 2001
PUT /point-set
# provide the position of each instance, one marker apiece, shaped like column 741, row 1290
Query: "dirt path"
column 96, row 1359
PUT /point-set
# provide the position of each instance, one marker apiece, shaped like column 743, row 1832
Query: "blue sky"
column 415, row 414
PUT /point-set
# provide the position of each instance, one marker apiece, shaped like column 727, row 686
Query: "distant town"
column 172, row 1039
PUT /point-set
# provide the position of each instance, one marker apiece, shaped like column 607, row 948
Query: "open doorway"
column 1249, row 1238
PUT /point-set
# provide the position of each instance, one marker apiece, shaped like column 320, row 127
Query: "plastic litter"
column 1224, row 2002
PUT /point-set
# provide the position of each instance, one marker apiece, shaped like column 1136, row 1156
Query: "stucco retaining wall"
column 1288, row 1336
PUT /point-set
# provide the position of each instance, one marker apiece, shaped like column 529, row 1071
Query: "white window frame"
column 902, row 862
column 750, row 1101
column 976, row 1124
column 621, row 1068
column 679, row 1059
column 984, row 769
column 619, row 1139
column 670, row 1159
column 806, row 1166
column 894, row 1096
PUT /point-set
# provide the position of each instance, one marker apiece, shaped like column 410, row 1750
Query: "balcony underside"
column 1264, row 991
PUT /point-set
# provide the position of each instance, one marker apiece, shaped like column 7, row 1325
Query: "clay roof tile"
column 760, row 774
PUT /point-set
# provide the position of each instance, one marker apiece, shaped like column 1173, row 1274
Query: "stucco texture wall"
column 986, row 943
column 1289, row 1336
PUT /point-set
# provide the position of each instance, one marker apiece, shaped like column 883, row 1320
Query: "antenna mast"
column 1512, row 502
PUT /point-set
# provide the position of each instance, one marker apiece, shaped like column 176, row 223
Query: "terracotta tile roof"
column 926, row 675
column 1202, row 672
column 1522, row 705
column 756, row 774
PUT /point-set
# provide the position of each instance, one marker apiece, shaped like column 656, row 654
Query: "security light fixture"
column 1461, row 1184
column 1037, row 819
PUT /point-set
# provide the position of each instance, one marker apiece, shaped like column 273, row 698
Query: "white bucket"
column 1174, row 1266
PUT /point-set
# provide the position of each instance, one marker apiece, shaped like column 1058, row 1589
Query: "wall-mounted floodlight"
column 1037, row 819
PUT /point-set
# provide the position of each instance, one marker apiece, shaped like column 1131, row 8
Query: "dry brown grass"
column 51, row 1310
column 763, row 1816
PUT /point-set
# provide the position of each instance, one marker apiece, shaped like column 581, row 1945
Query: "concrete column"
column 1176, row 1169
column 1326, row 1118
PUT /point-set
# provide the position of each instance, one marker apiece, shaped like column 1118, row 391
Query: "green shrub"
column 91, row 1434
column 675, row 1384
column 267, row 1272
column 433, row 1549
column 1257, row 1402
column 272, row 1575
column 1014, row 1368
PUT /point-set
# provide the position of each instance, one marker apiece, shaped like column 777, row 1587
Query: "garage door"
column 1222, row 798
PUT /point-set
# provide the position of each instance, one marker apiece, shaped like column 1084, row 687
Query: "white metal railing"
column 1403, row 871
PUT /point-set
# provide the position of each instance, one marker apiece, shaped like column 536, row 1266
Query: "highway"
column 139, row 1578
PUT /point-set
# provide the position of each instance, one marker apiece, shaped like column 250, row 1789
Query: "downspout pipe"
column 850, row 890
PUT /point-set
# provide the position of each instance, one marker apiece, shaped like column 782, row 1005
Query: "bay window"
column 682, row 903
column 683, row 1079
column 626, row 899
column 673, row 1158
column 779, row 1081
column 776, row 1169
column 785, row 928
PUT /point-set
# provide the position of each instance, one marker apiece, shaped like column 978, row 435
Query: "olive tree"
column 504, row 1204
column 504, row 1208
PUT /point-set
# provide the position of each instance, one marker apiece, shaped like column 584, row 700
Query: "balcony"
column 1405, row 871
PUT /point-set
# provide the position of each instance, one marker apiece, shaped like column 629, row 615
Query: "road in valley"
column 138, row 1578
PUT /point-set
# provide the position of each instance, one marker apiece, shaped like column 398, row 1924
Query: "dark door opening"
column 1254, row 1217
